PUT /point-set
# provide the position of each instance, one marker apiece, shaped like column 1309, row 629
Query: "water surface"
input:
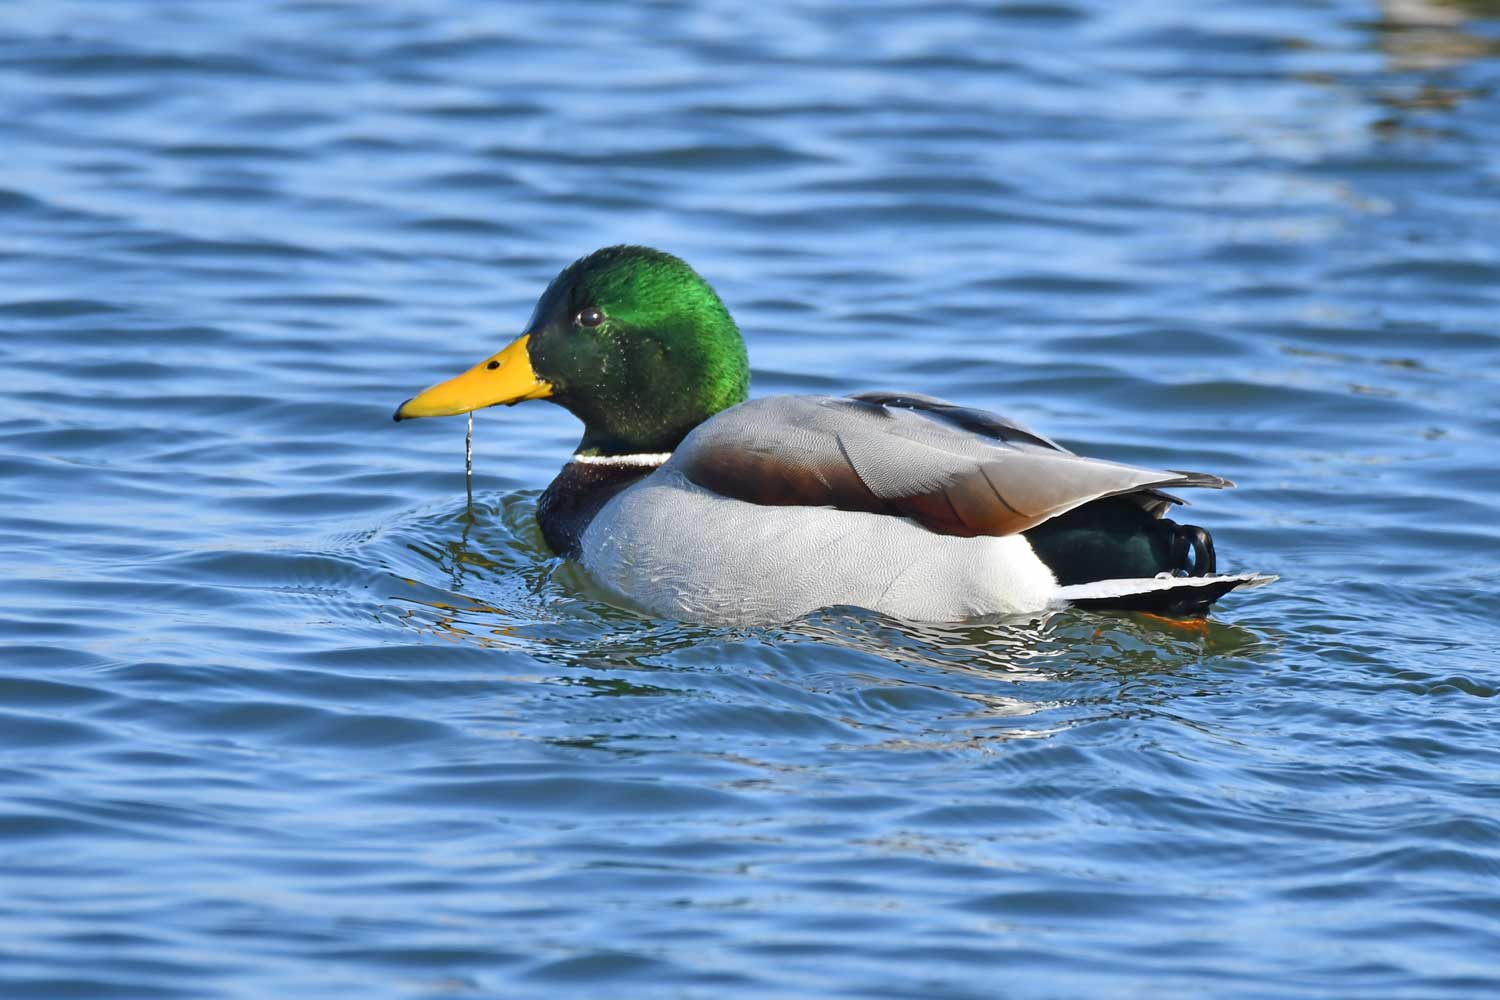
column 284, row 715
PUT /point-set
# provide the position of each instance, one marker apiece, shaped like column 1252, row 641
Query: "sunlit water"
column 281, row 715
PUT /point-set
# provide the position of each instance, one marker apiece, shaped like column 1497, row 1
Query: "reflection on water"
column 1422, row 35
column 1004, row 679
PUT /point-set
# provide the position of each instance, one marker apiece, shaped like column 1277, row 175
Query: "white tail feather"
column 1100, row 589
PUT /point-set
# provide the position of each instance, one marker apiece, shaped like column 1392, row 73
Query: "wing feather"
column 952, row 469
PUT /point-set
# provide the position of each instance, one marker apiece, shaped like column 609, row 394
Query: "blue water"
column 281, row 715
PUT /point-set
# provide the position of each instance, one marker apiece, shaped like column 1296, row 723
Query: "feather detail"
column 953, row 470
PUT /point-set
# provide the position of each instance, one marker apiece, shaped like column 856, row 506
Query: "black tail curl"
column 1189, row 540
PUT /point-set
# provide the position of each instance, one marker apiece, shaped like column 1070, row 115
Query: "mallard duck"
column 687, row 501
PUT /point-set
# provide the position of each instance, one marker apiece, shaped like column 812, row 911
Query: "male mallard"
column 688, row 502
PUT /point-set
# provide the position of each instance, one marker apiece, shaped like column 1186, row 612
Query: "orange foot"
column 1199, row 625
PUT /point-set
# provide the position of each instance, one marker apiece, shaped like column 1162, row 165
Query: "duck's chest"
column 571, row 502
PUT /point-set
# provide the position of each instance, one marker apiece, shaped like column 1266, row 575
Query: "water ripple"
column 288, row 716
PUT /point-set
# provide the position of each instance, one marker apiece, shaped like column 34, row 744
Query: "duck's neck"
column 656, row 434
column 581, row 490
column 643, row 415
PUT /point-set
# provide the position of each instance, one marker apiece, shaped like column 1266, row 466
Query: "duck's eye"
column 589, row 317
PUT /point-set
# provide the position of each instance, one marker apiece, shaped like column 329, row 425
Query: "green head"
column 639, row 347
column 631, row 340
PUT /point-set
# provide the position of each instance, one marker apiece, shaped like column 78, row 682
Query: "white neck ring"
column 645, row 460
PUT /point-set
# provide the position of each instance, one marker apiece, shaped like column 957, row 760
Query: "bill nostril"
column 492, row 366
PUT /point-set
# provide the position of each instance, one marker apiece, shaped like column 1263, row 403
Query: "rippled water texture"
column 283, row 716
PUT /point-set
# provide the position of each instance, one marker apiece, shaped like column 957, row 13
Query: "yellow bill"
column 503, row 378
